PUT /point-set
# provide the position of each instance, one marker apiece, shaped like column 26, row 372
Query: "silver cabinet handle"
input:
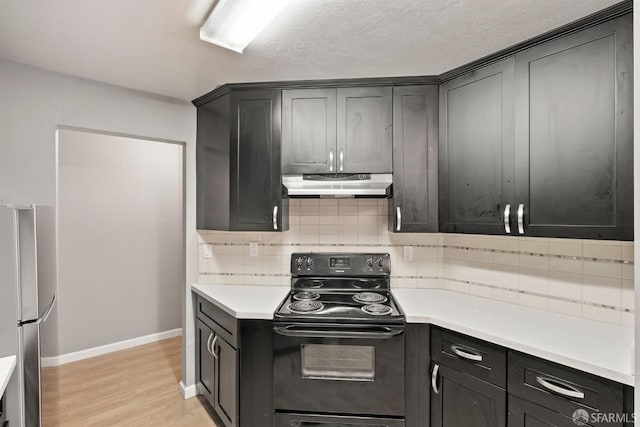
column 275, row 217
column 521, row 218
column 507, row 214
column 209, row 344
column 466, row 354
column 341, row 160
column 213, row 347
column 561, row 388
column 331, row 160
column 434, row 378
column 398, row 218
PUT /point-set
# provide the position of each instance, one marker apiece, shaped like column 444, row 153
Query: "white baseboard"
column 188, row 392
column 108, row 348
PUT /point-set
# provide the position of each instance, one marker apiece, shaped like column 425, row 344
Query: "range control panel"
column 340, row 264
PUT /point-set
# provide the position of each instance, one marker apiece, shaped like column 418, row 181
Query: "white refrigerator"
column 28, row 283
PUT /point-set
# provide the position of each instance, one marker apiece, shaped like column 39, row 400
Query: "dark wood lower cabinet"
column 217, row 372
column 234, row 366
column 205, row 368
column 226, row 383
column 465, row 401
column 417, row 378
column 523, row 413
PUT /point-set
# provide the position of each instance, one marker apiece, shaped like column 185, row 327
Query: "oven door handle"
column 378, row 332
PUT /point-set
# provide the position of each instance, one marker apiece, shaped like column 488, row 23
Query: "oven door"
column 337, row 368
column 305, row 420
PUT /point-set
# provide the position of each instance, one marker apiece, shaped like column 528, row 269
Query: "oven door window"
column 338, row 362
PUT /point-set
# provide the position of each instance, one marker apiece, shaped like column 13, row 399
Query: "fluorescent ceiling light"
column 233, row 24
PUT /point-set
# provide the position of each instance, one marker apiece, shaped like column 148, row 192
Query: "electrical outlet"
column 408, row 253
column 253, row 249
column 207, row 250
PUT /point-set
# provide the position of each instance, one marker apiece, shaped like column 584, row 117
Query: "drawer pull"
column 434, row 378
column 560, row 387
column 466, row 354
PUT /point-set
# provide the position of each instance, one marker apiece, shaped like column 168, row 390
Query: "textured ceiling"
column 153, row 45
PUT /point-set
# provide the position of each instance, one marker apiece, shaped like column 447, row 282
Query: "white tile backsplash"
column 592, row 279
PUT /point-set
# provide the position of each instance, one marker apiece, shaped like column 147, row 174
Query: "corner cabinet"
column 574, row 134
column 414, row 205
column 234, row 366
column 239, row 183
column 475, row 383
column 337, row 130
column 541, row 143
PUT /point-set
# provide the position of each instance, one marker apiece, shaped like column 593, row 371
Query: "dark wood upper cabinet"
column 414, row 206
column 238, row 163
column 574, row 134
column 364, row 139
column 309, row 131
column 476, row 160
column 344, row 130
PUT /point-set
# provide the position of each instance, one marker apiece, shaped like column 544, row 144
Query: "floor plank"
column 133, row 387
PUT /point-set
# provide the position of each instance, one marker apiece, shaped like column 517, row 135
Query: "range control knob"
column 309, row 262
column 380, row 263
column 299, row 261
column 370, row 262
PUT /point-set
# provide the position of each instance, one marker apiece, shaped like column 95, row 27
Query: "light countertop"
column 244, row 301
column 595, row 347
column 7, row 365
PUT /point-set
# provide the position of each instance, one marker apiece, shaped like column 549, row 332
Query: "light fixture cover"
column 233, row 24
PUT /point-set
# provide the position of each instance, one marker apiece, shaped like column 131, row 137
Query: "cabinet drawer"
column 480, row 359
column 220, row 321
column 523, row 413
column 560, row 388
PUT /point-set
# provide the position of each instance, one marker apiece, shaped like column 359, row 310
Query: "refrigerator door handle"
column 47, row 312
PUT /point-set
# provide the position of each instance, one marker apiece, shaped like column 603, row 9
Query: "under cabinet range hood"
column 339, row 185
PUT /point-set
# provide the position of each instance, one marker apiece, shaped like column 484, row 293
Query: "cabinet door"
column 212, row 165
column 205, row 369
column 226, row 384
column 476, row 165
column 256, row 182
column 414, row 207
column 309, row 131
column 574, row 134
column 364, row 130
column 465, row 401
column 523, row 413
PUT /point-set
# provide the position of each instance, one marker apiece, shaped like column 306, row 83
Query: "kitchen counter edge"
column 244, row 301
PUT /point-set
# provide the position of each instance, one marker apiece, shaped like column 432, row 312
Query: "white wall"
column 35, row 102
column 120, row 231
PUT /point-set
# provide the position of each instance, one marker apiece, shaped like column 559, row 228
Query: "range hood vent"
column 338, row 185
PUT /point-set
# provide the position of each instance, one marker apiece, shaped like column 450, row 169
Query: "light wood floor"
column 133, row 387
